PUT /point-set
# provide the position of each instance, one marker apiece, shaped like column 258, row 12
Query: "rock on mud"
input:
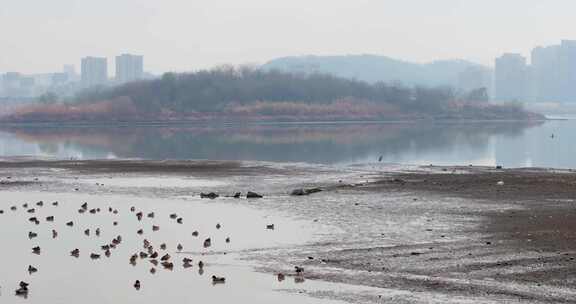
column 302, row 192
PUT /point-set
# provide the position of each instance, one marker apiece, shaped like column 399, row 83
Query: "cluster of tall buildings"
column 95, row 70
column 549, row 77
column 93, row 73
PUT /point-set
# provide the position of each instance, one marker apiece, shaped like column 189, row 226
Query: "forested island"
column 248, row 94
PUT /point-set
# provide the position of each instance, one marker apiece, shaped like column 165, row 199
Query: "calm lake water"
column 548, row 144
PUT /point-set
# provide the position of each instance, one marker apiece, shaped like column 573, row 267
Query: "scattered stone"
column 210, row 195
column 302, row 192
column 251, row 194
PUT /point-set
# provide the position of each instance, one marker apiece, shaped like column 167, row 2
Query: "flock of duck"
column 155, row 254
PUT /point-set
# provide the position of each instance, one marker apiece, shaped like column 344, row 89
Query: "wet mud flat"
column 522, row 249
column 399, row 234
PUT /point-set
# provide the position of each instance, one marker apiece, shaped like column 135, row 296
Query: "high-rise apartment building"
column 129, row 68
column 567, row 71
column 94, row 71
column 510, row 78
column 544, row 74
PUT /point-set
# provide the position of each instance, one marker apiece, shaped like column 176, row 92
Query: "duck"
column 31, row 210
column 218, row 226
column 132, row 209
column 97, row 231
column 270, row 226
column 54, row 233
column 36, row 250
column 179, row 220
column 166, row 257
column 75, row 252
column 116, row 240
column 87, row 232
column 40, row 204
column 32, row 235
column 151, row 215
column 281, row 277
column 50, row 218
column 186, row 260
column 54, row 203
column 146, row 243
column 155, row 228
column 137, row 285
column 200, row 264
column 168, row 265
column 228, row 240
column 70, row 224
column 107, row 253
column 163, row 246
column 115, row 223
column 207, row 243
column 173, row 216
column 152, row 270
column 218, row 280
column 81, row 211
column 139, row 216
column 13, row 208
column 195, row 233
column 298, row 269
column 32, row 269
column 154, row 255
column 84, row 206
column 94, row 256
column 179, row 247
column 22, row 291
column 154, row 262
column 143, row 255
column 140, row 231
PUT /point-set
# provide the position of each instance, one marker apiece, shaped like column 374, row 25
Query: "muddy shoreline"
column 430, row 234
column 527, row 252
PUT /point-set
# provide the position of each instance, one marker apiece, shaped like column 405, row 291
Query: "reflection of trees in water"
column 310, row 143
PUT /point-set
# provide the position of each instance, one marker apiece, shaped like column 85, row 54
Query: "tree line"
column 216, row 89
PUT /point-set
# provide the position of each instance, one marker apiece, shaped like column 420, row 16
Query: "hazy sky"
column 178, row 35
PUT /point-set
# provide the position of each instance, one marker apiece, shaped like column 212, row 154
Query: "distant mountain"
column 373, row 68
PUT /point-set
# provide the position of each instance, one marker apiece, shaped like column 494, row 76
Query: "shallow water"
column 326, row 221
column 486, row 143
column 64, row 279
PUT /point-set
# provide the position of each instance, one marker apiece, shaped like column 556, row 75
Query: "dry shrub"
column 117, row 109
column 343, row 107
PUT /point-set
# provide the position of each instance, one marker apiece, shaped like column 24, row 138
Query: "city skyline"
column 547, row 75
